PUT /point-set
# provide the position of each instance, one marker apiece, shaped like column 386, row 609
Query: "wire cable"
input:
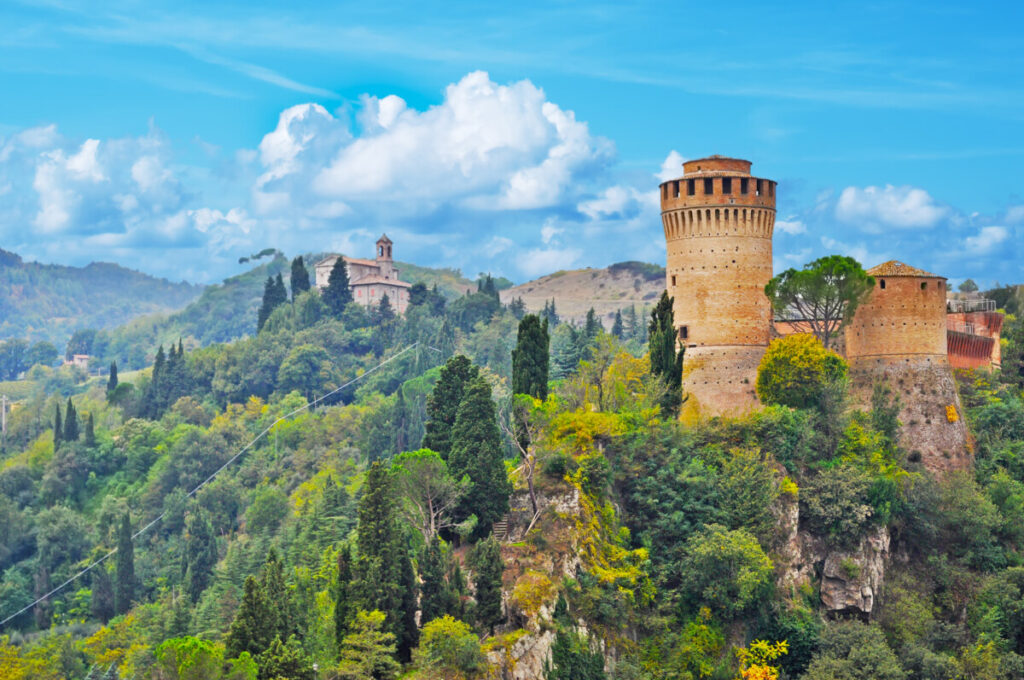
column 206, row 481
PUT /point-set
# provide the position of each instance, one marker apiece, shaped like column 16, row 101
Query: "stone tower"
column 718, row 222
column 898, row 336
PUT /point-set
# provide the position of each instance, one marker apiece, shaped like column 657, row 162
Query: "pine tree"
column 90, row 432
column 530, row 358
column 476, row 452
column 58, row 429
column 273, row 585
column 70, row 423
column 443, row 404
column 300, row 277
column 102, row 605
column 112, row 380
column 200, row 553
column 617, row 329
column 338, row 293
column 125, row 592
column 285, row 660
column 666, row 362
column 344, row 609
column 489, row 567
column 432, row 589
column 253, row 629
column 629, row 323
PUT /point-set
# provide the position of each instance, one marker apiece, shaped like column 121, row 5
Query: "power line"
column 206, row 481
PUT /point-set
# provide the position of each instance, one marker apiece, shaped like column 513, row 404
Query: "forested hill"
column 50, row 302
column 227, row 311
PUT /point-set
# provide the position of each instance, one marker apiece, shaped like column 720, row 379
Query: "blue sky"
column 515, row 138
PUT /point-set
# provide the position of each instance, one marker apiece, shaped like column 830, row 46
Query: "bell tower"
column 718, row 221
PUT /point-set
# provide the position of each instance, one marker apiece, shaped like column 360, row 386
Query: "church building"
column 370, row 280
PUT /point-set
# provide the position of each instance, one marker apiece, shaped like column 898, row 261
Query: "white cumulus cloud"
column 901, row 207
column 986, row 240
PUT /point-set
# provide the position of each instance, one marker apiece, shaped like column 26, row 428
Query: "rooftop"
column 897, row 268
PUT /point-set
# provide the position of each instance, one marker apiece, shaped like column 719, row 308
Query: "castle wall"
column 987, row 325
column 907, row 316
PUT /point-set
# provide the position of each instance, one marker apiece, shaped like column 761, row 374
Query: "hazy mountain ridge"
column 51, row 301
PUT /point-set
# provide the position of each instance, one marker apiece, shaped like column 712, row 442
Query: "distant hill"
column 606, row 290
column 227, row 311
column 223, row 312
column 50, row 302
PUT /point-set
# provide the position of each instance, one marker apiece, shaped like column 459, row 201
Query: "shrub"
column 796, row 370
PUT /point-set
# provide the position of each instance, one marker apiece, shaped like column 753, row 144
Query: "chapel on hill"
column 370, row 280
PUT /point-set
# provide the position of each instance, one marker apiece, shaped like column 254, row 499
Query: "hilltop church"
column 370, row 280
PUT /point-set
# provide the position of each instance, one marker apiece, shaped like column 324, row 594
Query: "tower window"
column 881, row 283
column 709, row 186
column 727, row 185
column 760, row 188
column 924, row 285
column 744, row 185
column 684, row 332
column 691, row 187
column 675, row 189
column 673, row 279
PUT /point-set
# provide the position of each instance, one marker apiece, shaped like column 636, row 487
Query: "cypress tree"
column 432, row 589
column 385, row 312
column 530, row 358
column 280, row 292
column 58, row 429
column 90, row 432
column 267, row 307
column 408, row 634
column 102, row 605
column 152, row 406
column 666, row 362
column 443, row 404
column 253, row 628
column 300, row 277
column 489, row 567
column 344, row 609
column 70, row 423
column 477, row 452
column 112, row 380
column 338, row 293
column 125, row 592
column 629, row 323
column 617, row 329
column 382, row 567
column 593, row 325
column 200, row 553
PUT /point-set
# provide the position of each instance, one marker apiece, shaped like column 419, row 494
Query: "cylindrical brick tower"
column 898, row 337
column 718, row 222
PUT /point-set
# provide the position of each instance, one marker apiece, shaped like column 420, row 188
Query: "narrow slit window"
column 709, row 187
column 673, row 279
column 771, row 188
column 684, row 332
column 881, row 284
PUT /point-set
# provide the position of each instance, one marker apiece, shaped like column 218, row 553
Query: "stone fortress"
column 718, row 221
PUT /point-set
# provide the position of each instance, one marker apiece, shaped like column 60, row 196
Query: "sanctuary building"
column 370, row 280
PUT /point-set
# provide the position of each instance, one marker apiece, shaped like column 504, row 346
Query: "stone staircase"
column 500, row 528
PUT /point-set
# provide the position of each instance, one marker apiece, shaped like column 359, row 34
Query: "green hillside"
column 50, row 302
